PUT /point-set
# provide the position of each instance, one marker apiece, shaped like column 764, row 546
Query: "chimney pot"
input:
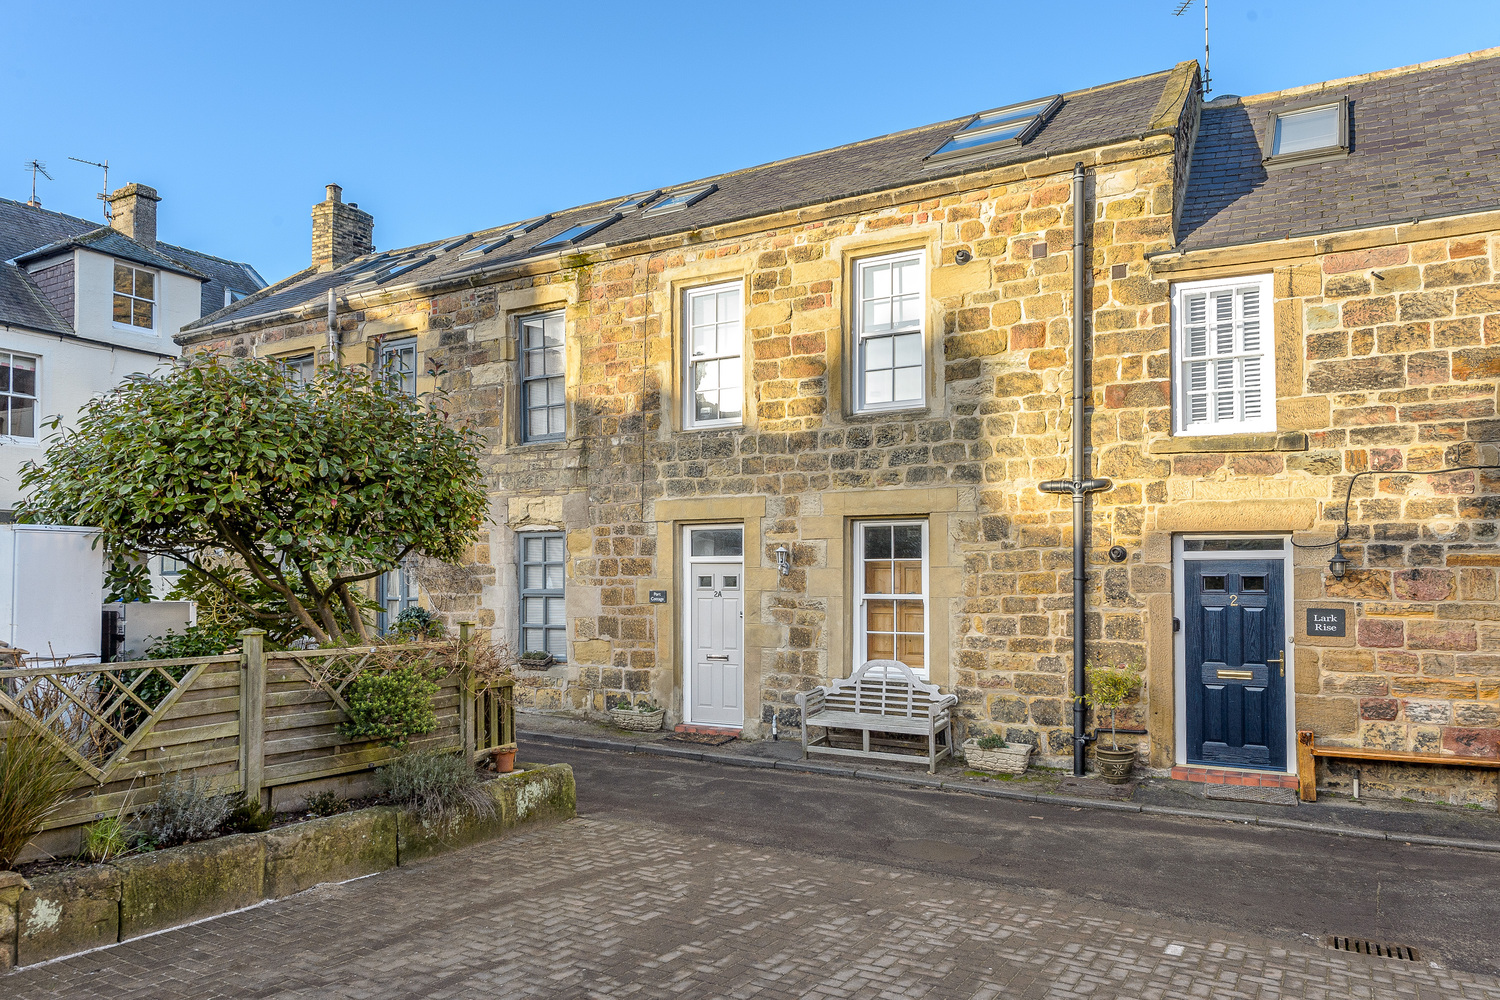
column 340, row 232
column 133, row 212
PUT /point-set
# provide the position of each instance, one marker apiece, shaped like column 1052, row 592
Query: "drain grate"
column 1404, row 952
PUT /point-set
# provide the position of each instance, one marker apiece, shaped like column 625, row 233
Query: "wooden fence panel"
column 295, row 702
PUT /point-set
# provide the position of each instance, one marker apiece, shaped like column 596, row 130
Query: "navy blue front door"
column 1236, row 669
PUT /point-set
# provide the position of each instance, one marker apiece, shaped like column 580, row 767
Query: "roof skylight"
column 635, row 201
column 1007, row 126
column 678, row 200
column 1312, row 132
column 577, row 232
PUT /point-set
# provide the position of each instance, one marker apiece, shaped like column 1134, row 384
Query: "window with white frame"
column 544, row 622
column 135, row 297
column 1223, row 340
column 888, row 330
column 398, row 363
column 715, row 366
column 891, row 599
column 18, row 396
column 305, row 367
column 543, row 384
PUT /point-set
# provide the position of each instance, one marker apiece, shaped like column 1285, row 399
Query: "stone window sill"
column 1224, row 443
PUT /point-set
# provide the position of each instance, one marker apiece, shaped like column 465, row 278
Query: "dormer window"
column 135, row 297
column 1310, row 132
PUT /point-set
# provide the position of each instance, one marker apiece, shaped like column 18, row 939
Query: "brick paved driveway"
column 606, row 908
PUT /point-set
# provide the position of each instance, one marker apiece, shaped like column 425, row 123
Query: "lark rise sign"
column 1325, row 621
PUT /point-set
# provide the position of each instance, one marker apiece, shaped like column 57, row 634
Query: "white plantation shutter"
column 1225, row 371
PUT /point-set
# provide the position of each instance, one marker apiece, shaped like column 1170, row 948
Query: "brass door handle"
column 1281, row 660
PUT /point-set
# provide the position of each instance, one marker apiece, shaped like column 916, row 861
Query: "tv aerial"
column 1182, row 9
column 36, row 167
column 102, row 195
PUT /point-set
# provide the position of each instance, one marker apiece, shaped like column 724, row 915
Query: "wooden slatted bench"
column 1308, row 751
column 883, row 696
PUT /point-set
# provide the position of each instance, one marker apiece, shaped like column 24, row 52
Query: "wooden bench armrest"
column 811, row 701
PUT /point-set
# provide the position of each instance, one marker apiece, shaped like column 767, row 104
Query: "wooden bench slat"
column 1308, row 751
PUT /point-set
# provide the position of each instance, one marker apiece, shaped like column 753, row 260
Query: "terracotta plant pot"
column 1114, row 765
column 505, row 760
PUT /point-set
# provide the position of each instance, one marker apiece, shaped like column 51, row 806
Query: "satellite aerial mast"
column 1182, row 9
column 102, row 195
column 36, row 167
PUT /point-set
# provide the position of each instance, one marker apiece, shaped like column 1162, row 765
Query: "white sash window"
column 1224, row 371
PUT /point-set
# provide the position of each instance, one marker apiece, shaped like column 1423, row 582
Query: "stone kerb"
column 73, row 911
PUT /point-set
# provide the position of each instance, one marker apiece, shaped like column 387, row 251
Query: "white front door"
column 715, row 586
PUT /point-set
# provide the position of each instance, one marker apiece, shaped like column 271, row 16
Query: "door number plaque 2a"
column 1325, row 621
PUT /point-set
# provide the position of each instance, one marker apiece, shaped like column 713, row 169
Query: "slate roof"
column 1423, row 143
column 23, row 304
column 1086, row 119
column 28, row 233
column 106, row 241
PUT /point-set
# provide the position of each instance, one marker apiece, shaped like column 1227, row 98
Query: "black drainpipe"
column 1079, row 486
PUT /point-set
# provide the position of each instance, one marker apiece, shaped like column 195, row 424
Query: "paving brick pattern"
column 610, row 909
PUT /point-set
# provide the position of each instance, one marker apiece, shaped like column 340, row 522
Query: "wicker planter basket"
column 640, row 722
column 1011, row 759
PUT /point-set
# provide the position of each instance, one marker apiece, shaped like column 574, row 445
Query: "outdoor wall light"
column 962, row 256
column 783, row 560
column 1339, row 564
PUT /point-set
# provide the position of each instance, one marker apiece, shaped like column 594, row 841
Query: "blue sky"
column 441, row 117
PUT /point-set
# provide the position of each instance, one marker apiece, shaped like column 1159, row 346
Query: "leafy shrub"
column 645, row 707
column 34, row 776
column 105, row 839
column 195, row 640
column 326, row 803
column 183, row 812
column 391, row 705
column 436, row 784
column 992, row 741
column 1110, row 688
column 246, row 816
column 416, row 623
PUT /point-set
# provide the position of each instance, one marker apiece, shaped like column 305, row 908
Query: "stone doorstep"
column 1234, row 776
column 77, row 910
column 925, row 781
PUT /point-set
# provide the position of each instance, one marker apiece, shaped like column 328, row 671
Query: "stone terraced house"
column 747, row 432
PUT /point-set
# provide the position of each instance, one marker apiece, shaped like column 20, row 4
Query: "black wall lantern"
column 1339, row 564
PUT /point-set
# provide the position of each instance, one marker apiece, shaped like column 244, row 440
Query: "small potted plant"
column 535, row 659
column 1110, row 688
column 993, row 753
column 642, row 718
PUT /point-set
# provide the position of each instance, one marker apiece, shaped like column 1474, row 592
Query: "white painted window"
column 891, row 599
column 715, row 365
column 543, row 383
column 18, row 395
column 233, row 295
column 303, row 366
column 1223, row 347
column 889, row 352
column 544, row 620
column 398, row 363
column 135, row 297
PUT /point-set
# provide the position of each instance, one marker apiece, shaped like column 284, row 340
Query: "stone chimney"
column 340, row 232
column 133, row 212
